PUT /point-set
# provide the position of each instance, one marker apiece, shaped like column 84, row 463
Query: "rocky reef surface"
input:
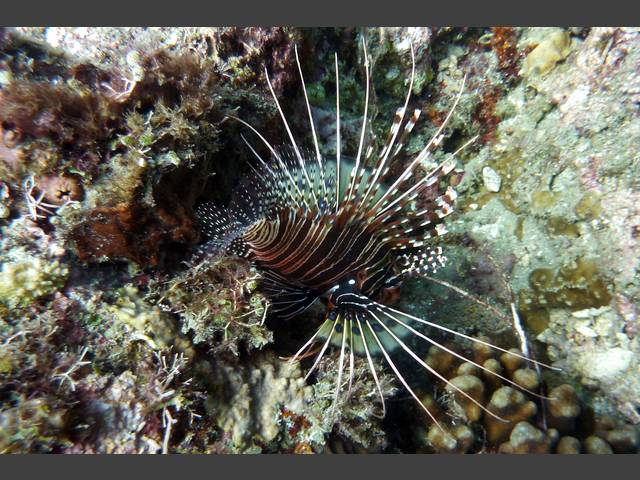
column 116, row 337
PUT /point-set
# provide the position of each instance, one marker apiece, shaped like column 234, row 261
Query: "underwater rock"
column 492, row 180
column 551, row 50
column 592, row 344
column 132, row 232
column 120, row 418
column 250, row 399
column 605, row 366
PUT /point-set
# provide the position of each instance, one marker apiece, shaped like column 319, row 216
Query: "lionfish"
column 345, row 232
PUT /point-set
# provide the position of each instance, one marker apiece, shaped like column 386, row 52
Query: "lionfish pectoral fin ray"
column 300, row 353
column 338, row 145
column 468, row 337
column 401, row 378
column 432, row 371
column 351, row 357
column 465, row 294
column 327, row 325
column 341, row 332
column 459, row 356
column 343, row 345
column 372, row 368
column 465, row 145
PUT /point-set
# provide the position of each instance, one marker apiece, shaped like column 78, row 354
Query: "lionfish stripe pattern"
column 346, row 232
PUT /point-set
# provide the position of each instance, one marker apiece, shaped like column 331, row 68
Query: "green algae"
column 560, row 226
column 589, row 207
column 575, row 286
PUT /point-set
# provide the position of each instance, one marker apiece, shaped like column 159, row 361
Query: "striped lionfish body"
column 345, row 232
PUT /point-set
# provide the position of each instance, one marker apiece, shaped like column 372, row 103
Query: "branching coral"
column 219, row 304
column 27, row 278
column 356, row 415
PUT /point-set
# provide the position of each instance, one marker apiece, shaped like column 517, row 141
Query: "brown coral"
column 60, row 189
column 564, row 408
column 525, row 438
column 78, row 120
column 568, row 445
column 531, row 425
column 458, row 440
column 511, row 405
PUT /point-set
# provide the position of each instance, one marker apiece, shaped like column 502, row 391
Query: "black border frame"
column 322, row 13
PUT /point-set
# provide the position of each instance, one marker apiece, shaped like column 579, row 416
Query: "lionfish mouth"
column 346, row 232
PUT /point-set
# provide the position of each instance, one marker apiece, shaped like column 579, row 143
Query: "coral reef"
column 23, row 281
column 219, row 305
column 558, row 219
column 528, row 422
column 136, row 130
column 263, row 397
column 105, row 147
column 115, row 339
column 592, row 345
